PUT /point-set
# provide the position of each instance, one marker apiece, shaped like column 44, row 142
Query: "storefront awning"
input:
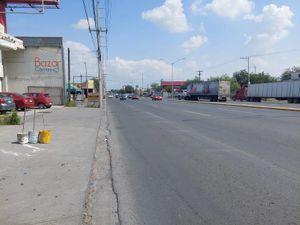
column 8, row 42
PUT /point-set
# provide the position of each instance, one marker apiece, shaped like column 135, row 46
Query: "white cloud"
column 82, row 24
column 230, row 9
column 169, row 16
column 201, row 28
column 122, row 71
column 274, row 24
column 193, row 43
column 79, row 55
column 198, row 7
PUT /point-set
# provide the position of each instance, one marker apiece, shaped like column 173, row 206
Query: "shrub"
column 70, row 104
column 14, row 119
column 11, row 119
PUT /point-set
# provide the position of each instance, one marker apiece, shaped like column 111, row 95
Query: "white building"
column 7, row 43
column 37, row 67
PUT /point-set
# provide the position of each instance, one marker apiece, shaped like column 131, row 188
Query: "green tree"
column 288, row 72
column 168, row 89
column 255, row 78
column 121, row 91
column 193, row 81
column 261, row 78
column 241, row 77
column 129, row 89
column 155, row 87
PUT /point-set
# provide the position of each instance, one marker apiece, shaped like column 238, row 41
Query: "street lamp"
column 172, row 71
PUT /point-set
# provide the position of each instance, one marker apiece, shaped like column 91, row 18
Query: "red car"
column 135, row 97
column 22, row 102
column 42, row 100
column 156, row 98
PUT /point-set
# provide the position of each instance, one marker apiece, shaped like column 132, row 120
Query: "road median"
column 245, row 105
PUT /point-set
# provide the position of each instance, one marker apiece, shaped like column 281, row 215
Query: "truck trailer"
column 212, row 90
column 286, row 90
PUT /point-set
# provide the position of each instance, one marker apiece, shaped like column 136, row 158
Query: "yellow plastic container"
column 45, row 136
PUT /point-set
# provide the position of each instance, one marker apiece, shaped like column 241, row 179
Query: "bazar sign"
column 46, row 66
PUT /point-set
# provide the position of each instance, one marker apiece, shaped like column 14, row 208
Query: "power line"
column 275, row 53
column 251, row 56
column 94, row 11
column 88, row 21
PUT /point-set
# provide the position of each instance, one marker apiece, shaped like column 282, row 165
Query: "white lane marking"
column 240, row 111
column 154, row 115
column 197, row 113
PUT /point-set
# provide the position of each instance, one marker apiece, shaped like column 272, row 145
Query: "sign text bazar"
column 46, row 66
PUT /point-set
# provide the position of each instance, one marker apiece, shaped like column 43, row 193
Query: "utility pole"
column 97, row 26
column 248, row 60
column 86, row 79
column 74, row 88
column 81, row 84
column 254, row 68
column 199, row 74
column 69, row 76
column 142, row 82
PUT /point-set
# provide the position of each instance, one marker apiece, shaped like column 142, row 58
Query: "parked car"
column 135, row 97
column 22, row 102
column 156, row 98
column 42, row 100
column 6, row 103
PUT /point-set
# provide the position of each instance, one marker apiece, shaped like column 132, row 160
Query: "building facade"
column 8, row 43
column 37, row 67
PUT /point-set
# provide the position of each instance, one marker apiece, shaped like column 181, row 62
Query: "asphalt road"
column 180, row 163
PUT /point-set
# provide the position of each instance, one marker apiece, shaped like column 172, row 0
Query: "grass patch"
column 91, row 105
column 71, row 104
column 10, row 119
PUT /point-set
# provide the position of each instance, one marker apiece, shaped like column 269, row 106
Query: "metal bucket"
column 33, row 137
column 22, row 138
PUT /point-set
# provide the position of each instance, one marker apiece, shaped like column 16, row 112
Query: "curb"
column 246, row 106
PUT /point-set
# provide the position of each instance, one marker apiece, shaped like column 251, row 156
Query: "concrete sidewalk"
column 47, row 184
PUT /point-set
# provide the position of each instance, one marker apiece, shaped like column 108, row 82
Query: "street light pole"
column 178, row 60
column 172, row 71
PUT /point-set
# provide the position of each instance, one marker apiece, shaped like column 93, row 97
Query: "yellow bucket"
column 45, row 136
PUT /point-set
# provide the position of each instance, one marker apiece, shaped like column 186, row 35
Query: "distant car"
column 22, row 102
column 42, row 100
column 156, row 98
column 110, row 96
column 135, row 97
column 130, row 96
column 123, row 97
column 6, row 103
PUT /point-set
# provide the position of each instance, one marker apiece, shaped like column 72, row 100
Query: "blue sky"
column 207, row 33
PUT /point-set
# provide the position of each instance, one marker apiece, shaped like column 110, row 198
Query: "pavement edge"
column 101, row 204
column 244, row 105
